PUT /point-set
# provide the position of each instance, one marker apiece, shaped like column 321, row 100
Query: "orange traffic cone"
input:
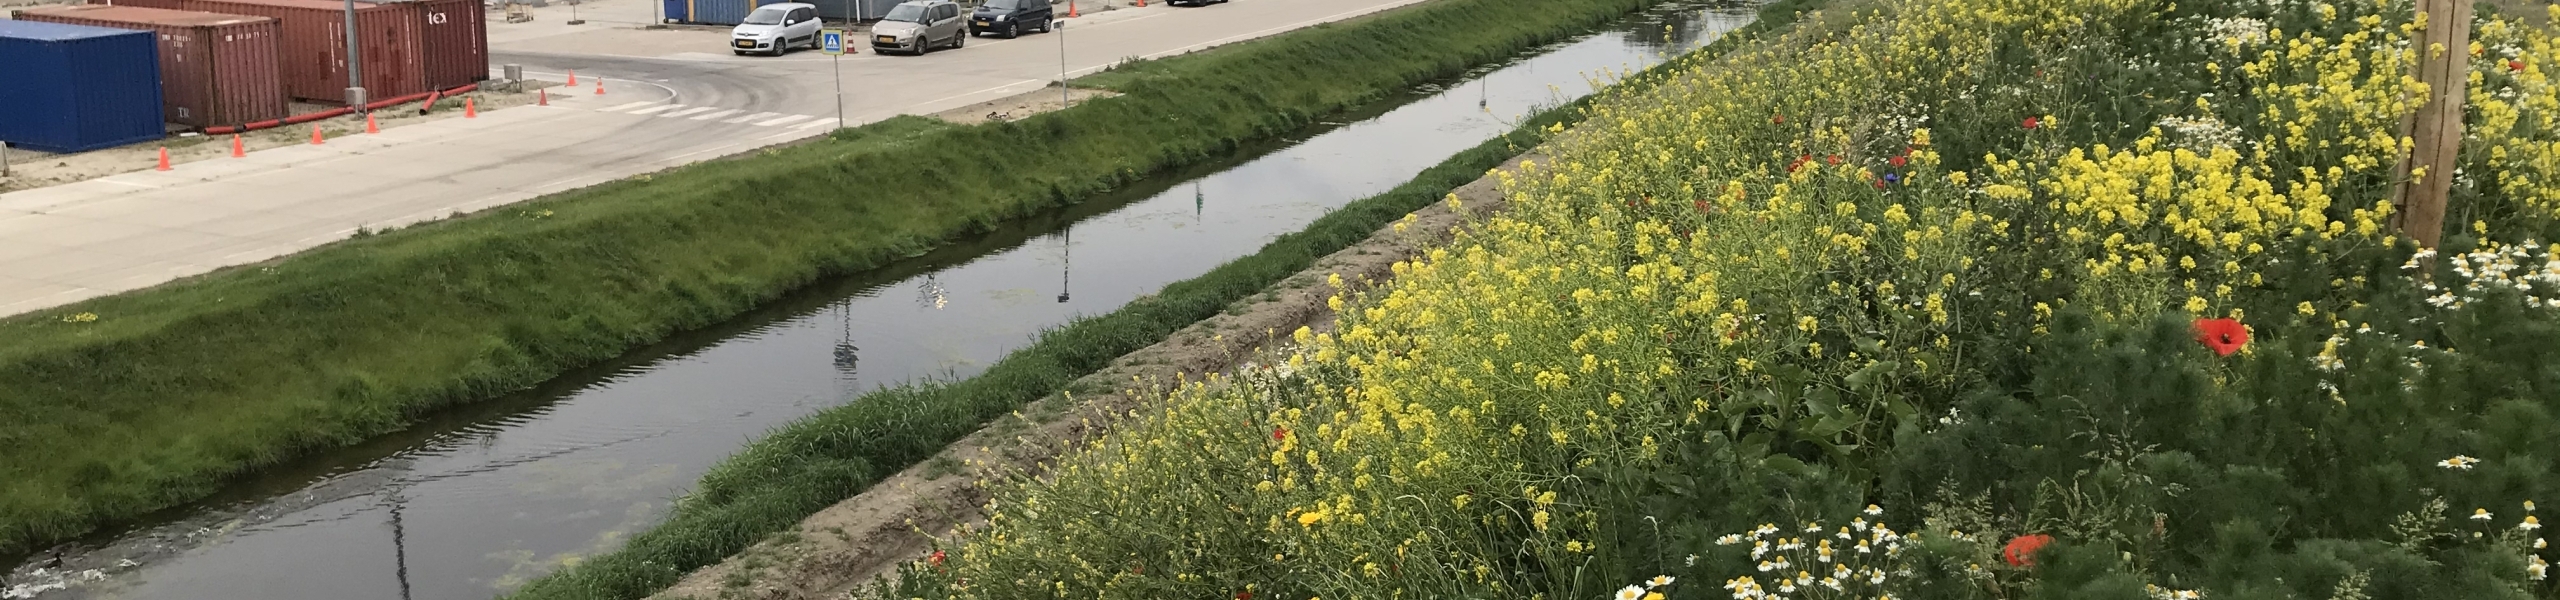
column 573, row 77
column 237, row 150
column 544, row 99
column 315, row 136
column 1071, row 9
column 599, row 86
column 1142, row 3
column 164, row 159
column 369, row 125
column 469, row 109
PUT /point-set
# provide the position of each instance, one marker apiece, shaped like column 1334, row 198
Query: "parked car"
column 776, row 29
column 918, row 27
column 1194, row 2
column 1012, row 17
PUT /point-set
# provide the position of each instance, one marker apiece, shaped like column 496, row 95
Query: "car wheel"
column 1013, row 31
column 959, row 41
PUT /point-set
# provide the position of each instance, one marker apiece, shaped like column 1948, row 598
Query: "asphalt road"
column 673, row 96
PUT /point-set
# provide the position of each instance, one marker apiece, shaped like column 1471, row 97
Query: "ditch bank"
column 868, row 536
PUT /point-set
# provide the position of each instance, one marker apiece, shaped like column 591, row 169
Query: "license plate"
column 885, row 40
column 746, row 43
column 985, row 22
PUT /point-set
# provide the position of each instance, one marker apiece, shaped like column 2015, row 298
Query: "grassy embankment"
column 814, row 462
column 121, row 405
column 2086, row 298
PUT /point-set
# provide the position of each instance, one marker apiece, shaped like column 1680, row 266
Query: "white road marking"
column 714, row 115
column 784, row 119
column 753, row 117
column 654, row 109
column 821, row 122
column 686, row 112
column 627, row 106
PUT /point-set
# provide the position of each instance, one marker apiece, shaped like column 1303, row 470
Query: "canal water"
column 480, row 499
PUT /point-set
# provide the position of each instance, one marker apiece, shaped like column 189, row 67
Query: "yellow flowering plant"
column 2124, row 270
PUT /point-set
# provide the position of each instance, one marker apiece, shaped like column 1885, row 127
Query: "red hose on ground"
column 430, row 97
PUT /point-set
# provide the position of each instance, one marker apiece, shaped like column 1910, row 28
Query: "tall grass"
column 170, row 390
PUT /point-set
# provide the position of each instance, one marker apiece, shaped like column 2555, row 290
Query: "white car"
column 776, row 29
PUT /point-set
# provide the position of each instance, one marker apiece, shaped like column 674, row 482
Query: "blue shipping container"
column 715, row 12
column 71, row 88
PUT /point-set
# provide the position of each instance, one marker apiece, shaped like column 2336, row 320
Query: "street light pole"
column 355, row 64
column 1063, row 98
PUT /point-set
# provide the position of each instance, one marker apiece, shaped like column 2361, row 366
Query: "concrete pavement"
column 673, row 97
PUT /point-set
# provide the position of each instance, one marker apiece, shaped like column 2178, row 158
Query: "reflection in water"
column 1066, row 261
column 930, row 293
column 847, row 357
column 488, row 495
column 399, row 545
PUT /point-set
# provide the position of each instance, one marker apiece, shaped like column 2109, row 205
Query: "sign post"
column 832, row 42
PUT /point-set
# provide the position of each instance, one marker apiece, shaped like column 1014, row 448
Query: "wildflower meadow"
column 1924, row 299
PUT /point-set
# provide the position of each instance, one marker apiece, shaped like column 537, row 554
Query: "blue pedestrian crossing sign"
column 831, row 41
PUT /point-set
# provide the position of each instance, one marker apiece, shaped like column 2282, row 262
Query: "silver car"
column 918, row 27
column 776, row 28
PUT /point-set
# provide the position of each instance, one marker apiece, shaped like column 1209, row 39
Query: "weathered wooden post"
column 2426, row 174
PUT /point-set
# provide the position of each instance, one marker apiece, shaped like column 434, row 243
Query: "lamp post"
column 1064, row 100
column 355, row 64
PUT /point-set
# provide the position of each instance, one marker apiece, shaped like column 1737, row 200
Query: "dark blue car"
column 1010, row 18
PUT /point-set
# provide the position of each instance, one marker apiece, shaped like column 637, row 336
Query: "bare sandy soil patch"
column 30, row 169
column 1016, row 107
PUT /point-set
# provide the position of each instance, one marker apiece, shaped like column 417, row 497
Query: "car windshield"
column 767, row 16
column 909, row 13
column 1003, row 4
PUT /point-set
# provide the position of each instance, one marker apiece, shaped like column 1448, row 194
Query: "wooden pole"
column 2426, row 174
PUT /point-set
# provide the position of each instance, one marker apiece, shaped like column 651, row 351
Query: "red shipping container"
column 455, row 48
column 215, row 69
column 314, row 57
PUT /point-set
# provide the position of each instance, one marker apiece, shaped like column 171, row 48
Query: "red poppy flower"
column 936, row 559
column 1833, row 159
column 2032, row 122
column 2021, row 551
column 1280, row 433
column 2224, row 336
column 1897, row 161
column 1702, row 205
column 1244, row 595
column 1879, row 184
column 2516, row 66
column 1778, row 119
